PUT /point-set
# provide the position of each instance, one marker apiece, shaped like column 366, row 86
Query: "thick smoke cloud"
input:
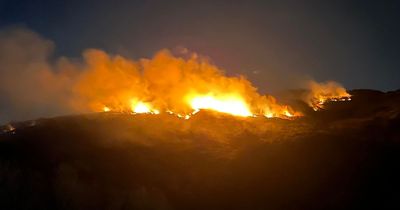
column 29, row 85
column 164, row 81
column 34, row 85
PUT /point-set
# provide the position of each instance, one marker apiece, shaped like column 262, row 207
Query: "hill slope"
column 344, row 157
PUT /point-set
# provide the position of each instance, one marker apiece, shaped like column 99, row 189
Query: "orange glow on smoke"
column 165, row 83
column 321, row 93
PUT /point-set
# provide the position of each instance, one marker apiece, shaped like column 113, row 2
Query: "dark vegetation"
column 344, row 157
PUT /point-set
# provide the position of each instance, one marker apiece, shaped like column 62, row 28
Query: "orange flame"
column 234, row 105
column 142, row 108
column 170, row 84
column 321, row 93
column 106, row 109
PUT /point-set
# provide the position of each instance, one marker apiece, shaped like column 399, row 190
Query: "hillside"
column 344, row 157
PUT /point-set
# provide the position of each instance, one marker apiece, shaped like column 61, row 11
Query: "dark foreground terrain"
column 344, row 157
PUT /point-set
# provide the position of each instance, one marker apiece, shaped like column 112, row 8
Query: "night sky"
column 275, row 43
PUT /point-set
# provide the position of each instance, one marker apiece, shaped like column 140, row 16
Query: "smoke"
column 320, row 93
column 165, row 81
column 29, row 85
column 34, row 85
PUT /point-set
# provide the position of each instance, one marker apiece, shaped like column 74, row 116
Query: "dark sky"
column 274, row 43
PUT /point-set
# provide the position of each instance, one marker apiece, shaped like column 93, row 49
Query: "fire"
column 321, row 93
column 106, row 109
column 269, row 115
column 288, row 114
column 165, row 83
column 140, row 108
column 180, row 85
column 282, row 112
column 229, row 104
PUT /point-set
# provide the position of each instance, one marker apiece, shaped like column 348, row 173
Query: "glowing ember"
column 186, row 117
column 106, row 109
column 320, row 102
column 231, row 105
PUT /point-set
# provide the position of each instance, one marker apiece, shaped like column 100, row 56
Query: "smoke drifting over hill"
column 151, row 147
column 28, row 85
column 33, row 84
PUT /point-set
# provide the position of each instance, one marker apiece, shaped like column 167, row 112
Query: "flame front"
column 229, row 104
column 321, row 93
column 143, row 108
column 106, row 109
column 170, row 84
